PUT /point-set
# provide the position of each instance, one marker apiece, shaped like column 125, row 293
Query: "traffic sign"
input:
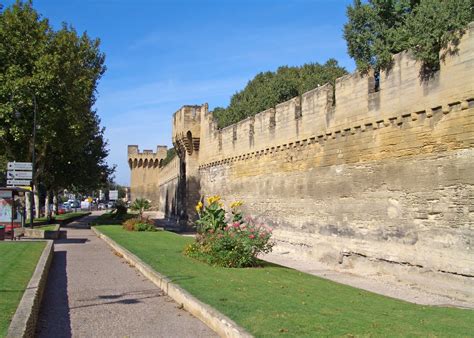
column 17, row 182
column 20, row 166
column 26, row 175
column 113, row 195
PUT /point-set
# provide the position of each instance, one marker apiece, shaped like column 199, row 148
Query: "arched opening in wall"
column 161, row 163
column 135, row 163
column 155, row 164
column 140, row 163
column 150, row 163
column 130, row 163
column 189, row 137
column 145, row 163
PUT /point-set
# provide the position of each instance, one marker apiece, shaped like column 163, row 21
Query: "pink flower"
column 252, row 236
column 236, row 224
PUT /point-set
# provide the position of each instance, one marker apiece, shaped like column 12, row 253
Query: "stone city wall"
column 168, row 188
column 385, row 173
column 377, row 169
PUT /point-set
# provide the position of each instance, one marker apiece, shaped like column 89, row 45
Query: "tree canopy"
column 268, row 89
column 58, row 71
column 377, row 29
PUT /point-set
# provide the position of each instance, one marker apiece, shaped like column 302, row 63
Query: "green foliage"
column 140, row 205
column 170, row 154
column 268, row 89
column 211, row 216
column 119, row 211
column 55, row 72
column 447, row 21
column 232, row 243
column 112, row 218
column 139, row 224
column 377, row 29
column 235, row 246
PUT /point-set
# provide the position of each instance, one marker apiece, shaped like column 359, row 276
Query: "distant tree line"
column 267, row 89
column 56, row 71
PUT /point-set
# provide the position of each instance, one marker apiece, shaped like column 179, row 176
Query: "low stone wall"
column 38, row 233
column 24, row 321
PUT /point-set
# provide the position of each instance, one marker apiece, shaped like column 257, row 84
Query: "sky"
column 163, row 54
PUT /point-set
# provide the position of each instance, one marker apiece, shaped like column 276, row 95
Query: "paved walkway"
column 93, row 293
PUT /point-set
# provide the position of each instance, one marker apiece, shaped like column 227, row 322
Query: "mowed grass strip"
column 46, row 227
column 70, row 215
column 274, row 300
column 17, row 264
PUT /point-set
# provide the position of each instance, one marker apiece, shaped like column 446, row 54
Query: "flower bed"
column 228, row 239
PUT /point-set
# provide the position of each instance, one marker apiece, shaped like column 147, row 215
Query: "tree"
column 58, row 71
column 268, row 89
column 377, row 29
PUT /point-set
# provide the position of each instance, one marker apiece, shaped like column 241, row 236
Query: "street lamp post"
column 33, row 156
column 33, row 159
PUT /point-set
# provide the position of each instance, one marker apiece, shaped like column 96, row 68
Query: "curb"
column 23, row 323
column 221, row 324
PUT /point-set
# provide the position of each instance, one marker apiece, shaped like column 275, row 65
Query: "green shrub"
column 140, row 205
column 137, row 224
column 120, row 210
column 235, row 243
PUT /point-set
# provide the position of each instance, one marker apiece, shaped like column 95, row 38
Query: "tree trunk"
column 55, row 203
column 27, row 204
column 37, row 202
column 47, row 210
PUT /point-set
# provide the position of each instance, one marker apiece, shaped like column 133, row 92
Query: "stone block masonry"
column 382, row 172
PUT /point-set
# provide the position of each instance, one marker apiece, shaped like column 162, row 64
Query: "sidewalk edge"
column 24, row 320
column 221, row 324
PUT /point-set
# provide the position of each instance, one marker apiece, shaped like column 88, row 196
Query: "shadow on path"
column 54, row 319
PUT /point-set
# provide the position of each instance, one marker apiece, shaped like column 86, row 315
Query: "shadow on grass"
column 179, row 278
column 54, row 318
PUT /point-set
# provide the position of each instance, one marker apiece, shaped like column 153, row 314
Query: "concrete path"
column 93, row 293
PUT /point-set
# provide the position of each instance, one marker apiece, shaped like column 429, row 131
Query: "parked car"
column 101, row 206
column 110, row 205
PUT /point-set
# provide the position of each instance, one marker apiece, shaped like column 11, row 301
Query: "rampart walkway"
column 91, row 292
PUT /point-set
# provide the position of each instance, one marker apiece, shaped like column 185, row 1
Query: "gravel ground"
column 93, row 293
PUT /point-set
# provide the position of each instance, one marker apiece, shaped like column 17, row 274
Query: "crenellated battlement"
column 187, row 127
column 146, row 158
column 355, row 103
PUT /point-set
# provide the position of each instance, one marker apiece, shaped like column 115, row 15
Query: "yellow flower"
column 199, row 207
column 213, row 199
column 236, row 204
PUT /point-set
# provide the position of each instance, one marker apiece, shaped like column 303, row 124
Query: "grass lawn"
column 50, row 227
column 70, row 215
column 109, row 218
column 17, row 264
column 275, row 300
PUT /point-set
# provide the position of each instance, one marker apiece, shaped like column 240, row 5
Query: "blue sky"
column 161, row 55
